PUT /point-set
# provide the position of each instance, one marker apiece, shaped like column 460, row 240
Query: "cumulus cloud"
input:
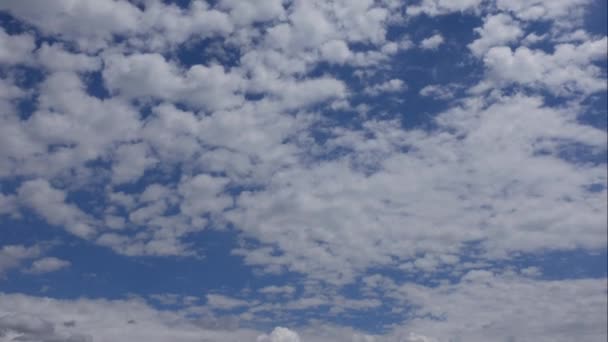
column 570, row 68
column 15, row 48
column 50, row 203
column 432, row 43
column 12, row 256
column 280, row 335
column 440, row 7
column 496, row 30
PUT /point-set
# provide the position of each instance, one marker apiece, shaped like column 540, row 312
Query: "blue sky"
column 303, row 171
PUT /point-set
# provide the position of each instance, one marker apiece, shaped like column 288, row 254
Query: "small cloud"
column 280, row 334
column 46, row 265
column 432, row 43
column 390, row 86
column 439, row 91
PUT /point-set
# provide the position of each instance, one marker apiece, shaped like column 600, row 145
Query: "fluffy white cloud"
column 15, row 48
column 131, row 161
column 11, row 256
column 336, row 51
column 250, row 11
column 338, row 218
column 93, row 24
column 280, row 334
column 432, row 42
column 497, row 30
column 50, row 203
column 254, row 131
column 151, row 76
column 84, row 320
column 440, row 7
column 570, row 68
column 543, row 9
column 55, row 58
column 89, row 22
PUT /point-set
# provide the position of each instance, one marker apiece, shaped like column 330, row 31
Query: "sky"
column 303, row 170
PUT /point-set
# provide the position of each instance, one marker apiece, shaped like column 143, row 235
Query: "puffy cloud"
column 569, row 69
column 16, row 49
column 92, row 25
column 332, row 220
column 85, row 320
column 543, row 9
column 418, row 338
column 247, row 12
column 55, row 58
column 50, row 203
column 131, row 162
column 12, row 256
column 432, row 42
column 280, row 334
column 89, row 22
column 335, row 51
column 497, row 30
column 151, row 76
column 441, row 7
column 253, row 131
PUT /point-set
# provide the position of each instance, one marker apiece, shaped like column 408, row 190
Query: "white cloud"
column 151, row 76
column 255, row 112
column 54, row 57
column 333, row 220
column 390, row 86
column 497, row 30
column 48, row 264
column 89, row 22
column 278, row 290
column 247, row 12
column 441, row 7
column 92, row 24
column 49, row 203
column 439, row 91
column 543, row 9
column 569, row 69
column 432, row 42
column 280, row 334
column 16, row 49
column 224, row 303
column 336, row 51
column 84, row 320
column 486, row 307
column 131, row 161
column 12, row 256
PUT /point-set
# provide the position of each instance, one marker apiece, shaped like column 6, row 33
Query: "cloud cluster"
column 294, row 125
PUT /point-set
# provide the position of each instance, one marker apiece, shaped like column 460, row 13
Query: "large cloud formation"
column 289, row 122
